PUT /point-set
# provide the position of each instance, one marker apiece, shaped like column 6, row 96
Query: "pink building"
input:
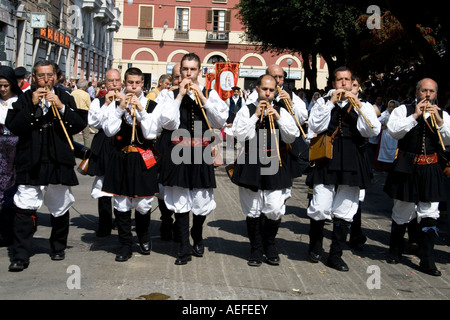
column 154, row 35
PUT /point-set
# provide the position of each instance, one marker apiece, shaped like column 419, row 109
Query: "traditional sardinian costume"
column 186, row 175
column 128, row 174
column 416, row 183
column 337, row 182
column 43, row 159
column 416, row 174
column 264, row 184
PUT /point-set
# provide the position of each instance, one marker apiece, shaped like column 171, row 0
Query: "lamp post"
column 289, row 63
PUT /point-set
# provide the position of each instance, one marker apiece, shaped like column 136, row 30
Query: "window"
column 146, row 21
column 219, row 20
column 182, row 19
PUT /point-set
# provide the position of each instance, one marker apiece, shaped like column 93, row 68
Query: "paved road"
column 89, row 271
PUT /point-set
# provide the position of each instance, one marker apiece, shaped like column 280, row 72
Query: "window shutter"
column 228, row 20
column 146, row 17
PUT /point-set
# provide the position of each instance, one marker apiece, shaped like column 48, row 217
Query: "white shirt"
column 244, row 126
column 399, row 124
column 216, row 109
column 6, row 105
column 151, row 123
column 320, row 117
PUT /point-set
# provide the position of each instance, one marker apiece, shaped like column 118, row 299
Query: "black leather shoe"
column 57, row 256
column 198, row 249
column 275, row 261
column 184, row 259
column 315, row 257
column 338, row 264
column 145, row 247
column 18, row 265
column 123, row 257
column 254, row 263
column 431, row 272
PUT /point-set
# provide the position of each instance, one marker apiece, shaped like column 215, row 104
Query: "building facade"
column 76, row 34
column 155, row 35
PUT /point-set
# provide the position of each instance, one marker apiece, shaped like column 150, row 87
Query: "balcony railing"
column 217, row 36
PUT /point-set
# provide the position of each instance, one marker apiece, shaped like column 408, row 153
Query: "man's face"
column 343, row 80
column 44, row 77
column 266, row 91
column 278, row 73
column 190, row 70
column 427, row 90
column 355, row 87
column 113, row 81
column 176, row 75
column 236, row 93
column 133, row 84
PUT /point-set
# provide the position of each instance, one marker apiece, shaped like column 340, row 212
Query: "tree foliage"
column 337, row 30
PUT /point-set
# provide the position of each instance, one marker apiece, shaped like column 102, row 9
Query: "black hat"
column 236, row 88
column 8, row 74
column 20, row 72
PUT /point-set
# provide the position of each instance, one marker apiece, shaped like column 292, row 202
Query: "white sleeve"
column 287, row 126
column 320, row 116
column 216, row 110
column 244, row 124
column 363, row 126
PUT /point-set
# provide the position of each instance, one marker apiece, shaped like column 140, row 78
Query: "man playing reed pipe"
column 44, row 118
column 101, row 147
column 264, row 182
column 337, row 182
column 416, row 181
column 187, row 171
column 131, row 174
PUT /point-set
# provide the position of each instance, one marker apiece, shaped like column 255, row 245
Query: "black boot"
column 59, row 235
column 143, row 232
column 25, row 225
column 105, row 223
column 166, row 227
column 396, row 243
column 339, row 235
column 269, row 232
column 427, row 236
column 185, row 249
column 125, row 236
column 413, row 236
column 316, row 239
column 357, row 238
column 256, row 246
column 198, row 248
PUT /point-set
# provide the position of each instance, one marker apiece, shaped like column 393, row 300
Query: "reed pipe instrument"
column 291, row 111
column 272, row 131
column 57, row 115
column 433, row 123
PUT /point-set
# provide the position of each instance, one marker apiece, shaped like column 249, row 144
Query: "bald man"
column 416, row 181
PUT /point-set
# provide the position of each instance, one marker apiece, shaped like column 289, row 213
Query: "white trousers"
column 96, row 191
column 403, row 212
column 327, row 202
column 269, row 202
column 199, row 201
column 57, row 198
column 124, row 204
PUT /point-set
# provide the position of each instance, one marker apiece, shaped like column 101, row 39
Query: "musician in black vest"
column 262, row 171
column 131, row 175
column 187, row 170
column 44, row 161
column 416, row 181
column 101, row 146
column 336, row 183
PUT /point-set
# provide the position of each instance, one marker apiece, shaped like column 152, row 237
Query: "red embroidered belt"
column 192, row 142
column 421, row 159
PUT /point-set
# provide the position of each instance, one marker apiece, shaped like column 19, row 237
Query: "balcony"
column 217, row 37
column 145, row 33
column 91, row 5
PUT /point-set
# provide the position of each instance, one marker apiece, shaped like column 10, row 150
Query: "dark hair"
column 342, row 69
column 259, row 81
column 191, row 56
column 43, row 63
column 133, row 71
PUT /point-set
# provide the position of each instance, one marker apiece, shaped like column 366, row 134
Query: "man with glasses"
column 101, row 150
column 44, row 118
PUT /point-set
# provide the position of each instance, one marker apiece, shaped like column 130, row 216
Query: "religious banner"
column 210, row 80
column 226, row 78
